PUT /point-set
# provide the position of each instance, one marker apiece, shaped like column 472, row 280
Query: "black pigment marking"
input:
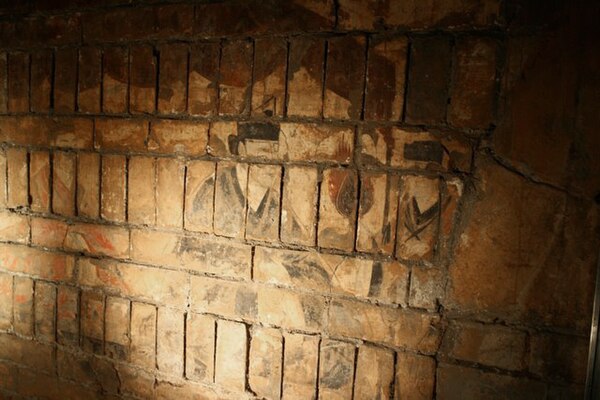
column 205, row 191
column 298, row 267
column 426, row 150
column 246, row 303
column 261, row 131
column 376, row 279
column 311, row 314
column 337, row 376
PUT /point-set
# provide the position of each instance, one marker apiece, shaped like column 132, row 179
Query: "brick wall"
column 297, row 199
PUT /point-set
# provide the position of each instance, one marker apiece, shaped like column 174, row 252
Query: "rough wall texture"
column 297, row 199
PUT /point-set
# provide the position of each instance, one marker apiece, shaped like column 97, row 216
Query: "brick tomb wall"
column 300, row 199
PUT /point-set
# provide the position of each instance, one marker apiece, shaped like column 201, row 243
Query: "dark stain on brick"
column 425, row 150
column 246, row 303
column 255, row 131
column 376, row 279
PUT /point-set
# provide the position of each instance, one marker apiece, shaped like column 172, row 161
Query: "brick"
column 23, row 130
column 29, row 353
column 136, row 382
column 105, row 240
column 427, row 287
column 63, row 183
column 285, row 141
column 299, row 205
column 88, row 184
column 370, row 15
column 170, row 341
column 37, row 263
column 488, row 246
column 92, row 322
column 494, row 346
column 18, row 82
column 415, row 377
column 291, row 310
column 265, row 365
column 336, row 369
column 75, row 133
column 472, row 94
column 392, row 326
column 96, row 373
column 116, row 327
column 199, row 196
column 78, row 368
column 204, row 70
column 90, row 79
column 14, row 227
column 108, row 25
column 337, row 211
column 300, row 366
column 558, row 357
column 141, row 201
column 428, row 80
column 145, row 283
column 265, row 304
column 377, row 214
column 170, row 175
column 172, row 80
column 53, row 30
column 67, row 315
column 418, row 213
column 452, row 194
column 386, row 78
column 456, row 382
column 173, row 20
column 143, row 78
column 6, row 295
column 45, row 385
column 268, row 87
column 230, row 360
column 3, row 179
column 8, row 376
column 223, row 297
column 45, row 311
column 235, row 75
column 213, row 19
column 178, row 137
column 345, row 77
column 307, row 270
column 65, row 79
column 113, row 191
column 305, row 77
column 230, row 199
column 374, row 373
column 143, row 335
column 39, row 180
column 115, row 79
column 16, row 166
column 264, row 187
column 23, row 306
column 3, row 83
column 200, row 347
column 176, row 389
column 420, row 150
column 121, row 135
column 41, row 80
column 215, row 257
